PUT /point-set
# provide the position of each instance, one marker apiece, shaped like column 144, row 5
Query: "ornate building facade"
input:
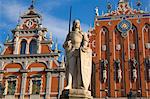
column 120, row 41
column 29, row 68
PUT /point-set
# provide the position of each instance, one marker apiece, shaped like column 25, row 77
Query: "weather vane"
column 109, row 6
column 138, row 4
column 33, row 1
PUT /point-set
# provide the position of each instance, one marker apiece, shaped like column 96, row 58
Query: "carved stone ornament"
column 132, row 46
column 147, row 45
column 93, row 54
column 118, row 47
column 103, row 47
column 97, row 24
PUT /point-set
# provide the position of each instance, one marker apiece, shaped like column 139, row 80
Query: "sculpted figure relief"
column 79, row 58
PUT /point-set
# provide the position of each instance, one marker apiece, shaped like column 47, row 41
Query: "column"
column 61, row 84
column 27, row 48
column 48, row 85
column 39, row 46
column 1, row 71
column 23, row 85
column 39, row 42
column 16, row 44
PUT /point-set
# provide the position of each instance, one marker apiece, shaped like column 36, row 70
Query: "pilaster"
column 16, row 44
column 23, row 85
column 48, row 85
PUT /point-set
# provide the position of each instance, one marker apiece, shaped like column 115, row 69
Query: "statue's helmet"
column 75, row 22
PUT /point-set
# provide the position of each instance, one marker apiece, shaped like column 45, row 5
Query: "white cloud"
column 3, row 25
column 57, row 26
column 12, row 10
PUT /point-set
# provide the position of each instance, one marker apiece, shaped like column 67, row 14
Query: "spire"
column 32, row 4
column 8, row 38
column 96, row 11
column 56, row 46
column 50, row 36
column 138, row 4
column 62, row 61
column 0, row 48
column 31, row 12
column 109, row 6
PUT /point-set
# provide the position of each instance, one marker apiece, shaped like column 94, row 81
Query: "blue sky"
column 55, row 14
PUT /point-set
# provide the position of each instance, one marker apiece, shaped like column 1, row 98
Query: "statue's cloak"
column 86, row 67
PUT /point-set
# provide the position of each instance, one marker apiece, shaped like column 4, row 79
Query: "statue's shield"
column 86, row 67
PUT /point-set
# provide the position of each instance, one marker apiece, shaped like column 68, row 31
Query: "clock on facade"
column 124, row 26
column 29, row 23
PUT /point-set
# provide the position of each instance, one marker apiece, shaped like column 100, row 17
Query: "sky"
column 55, row 14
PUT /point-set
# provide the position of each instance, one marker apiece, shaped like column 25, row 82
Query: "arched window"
column 23, row 47
column 33, row 47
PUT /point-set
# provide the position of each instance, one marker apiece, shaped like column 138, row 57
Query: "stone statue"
column 96, row 11
column 134, row 71
column 78, row 58
column 104, row 64
column 118, row 70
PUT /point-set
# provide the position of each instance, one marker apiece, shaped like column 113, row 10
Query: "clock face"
column 29, row 23
column 124, row 26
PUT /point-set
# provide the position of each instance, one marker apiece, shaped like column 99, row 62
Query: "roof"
column 124, row 9
column 31, row 12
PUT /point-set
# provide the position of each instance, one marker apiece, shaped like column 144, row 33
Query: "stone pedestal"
column 76, row 94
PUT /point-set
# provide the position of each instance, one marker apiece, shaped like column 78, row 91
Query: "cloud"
column 3, row 25
column 11, row 10
column 59, row 27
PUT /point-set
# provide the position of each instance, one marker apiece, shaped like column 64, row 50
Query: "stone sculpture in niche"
column 147, row 62
column 118, row 70
column 104, row 70
column 133, row 67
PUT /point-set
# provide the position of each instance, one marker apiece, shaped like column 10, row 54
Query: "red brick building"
column 29, row 68
column 120, row 41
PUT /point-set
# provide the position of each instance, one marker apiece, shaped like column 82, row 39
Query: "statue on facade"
column 118, row 70
column 104, row 64
column 134, row 71
column 78, row 58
